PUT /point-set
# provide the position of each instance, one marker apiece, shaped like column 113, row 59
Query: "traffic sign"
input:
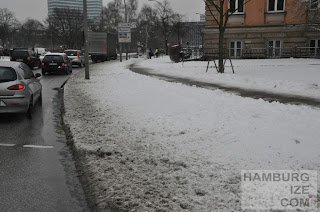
column 124, row 25
column 124, row 32
column 124, row 37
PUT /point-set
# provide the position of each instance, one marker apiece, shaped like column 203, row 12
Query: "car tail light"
column 29, row 58
column 63, row 64
column 42, row 64
column 16, row 87
column 78, row 54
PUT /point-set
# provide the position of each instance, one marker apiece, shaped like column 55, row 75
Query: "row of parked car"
column 47, row 61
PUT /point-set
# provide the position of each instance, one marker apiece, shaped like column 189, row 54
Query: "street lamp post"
column 126, row 20
column 85, row 29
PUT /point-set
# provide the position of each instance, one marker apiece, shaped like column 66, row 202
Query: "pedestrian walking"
column 150, row 53
column 156, row 52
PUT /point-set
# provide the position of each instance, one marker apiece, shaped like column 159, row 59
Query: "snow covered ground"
column 151, row 145
column 286, row 76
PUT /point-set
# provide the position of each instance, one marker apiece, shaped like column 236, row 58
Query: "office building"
column 94, row 7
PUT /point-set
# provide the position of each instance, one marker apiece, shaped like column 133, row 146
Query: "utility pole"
column 120, row 52
column 126, row 20
column 86, row 54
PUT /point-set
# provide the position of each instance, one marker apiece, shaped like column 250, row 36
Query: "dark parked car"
column 26, row 56
column 20, row 89
column 56, row 63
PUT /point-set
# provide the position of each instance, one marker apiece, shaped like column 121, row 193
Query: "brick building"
column 266, row 29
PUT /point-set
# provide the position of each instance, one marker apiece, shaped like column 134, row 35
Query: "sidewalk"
column 149, row 145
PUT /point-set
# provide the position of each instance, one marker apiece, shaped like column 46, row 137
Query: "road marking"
column 37, row 146
column 7, row 145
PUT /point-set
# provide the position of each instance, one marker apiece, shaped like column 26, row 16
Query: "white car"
column 76, row 57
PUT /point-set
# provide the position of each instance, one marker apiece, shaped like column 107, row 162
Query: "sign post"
column 124, row 35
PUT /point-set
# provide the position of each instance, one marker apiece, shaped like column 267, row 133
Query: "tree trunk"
column 166, row 45
column 221, row 37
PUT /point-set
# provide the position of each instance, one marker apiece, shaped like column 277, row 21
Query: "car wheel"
column 80, row 64
column 30, row 108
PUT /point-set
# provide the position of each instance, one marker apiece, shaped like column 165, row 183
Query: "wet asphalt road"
column 39, row 179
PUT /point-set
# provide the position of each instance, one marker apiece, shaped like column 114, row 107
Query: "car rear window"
column 7, row 74
column 71, row 53
column 50, row 58
column 19, row 53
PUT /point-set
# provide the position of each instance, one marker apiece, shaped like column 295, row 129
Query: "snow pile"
column 150, row 145
column 4, row 58
column 286, row 76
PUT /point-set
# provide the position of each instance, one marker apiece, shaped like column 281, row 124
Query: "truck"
column 102, row 46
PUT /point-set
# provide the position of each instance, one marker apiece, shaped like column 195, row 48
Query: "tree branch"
column 205, row 1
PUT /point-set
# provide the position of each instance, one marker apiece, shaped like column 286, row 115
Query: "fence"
column 281, row 52
column 271, row 52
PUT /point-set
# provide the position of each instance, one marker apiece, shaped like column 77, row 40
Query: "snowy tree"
column 146, row 22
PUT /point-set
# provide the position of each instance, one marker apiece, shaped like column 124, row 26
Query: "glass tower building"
column 94, row 7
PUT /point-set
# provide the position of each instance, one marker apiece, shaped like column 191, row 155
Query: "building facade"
column 266, row 29
column 94, row 7
column 193, row 37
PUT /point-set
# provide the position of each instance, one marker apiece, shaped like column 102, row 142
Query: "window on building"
column 235, row 49
column 315, row 47
column 314, row 4
column 236, row 6
column 274, row 48
column 275, row 5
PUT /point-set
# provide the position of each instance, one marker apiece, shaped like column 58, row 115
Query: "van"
column 41, row 51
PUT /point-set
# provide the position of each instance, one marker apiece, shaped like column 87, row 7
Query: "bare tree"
column 178, row 27
column 8, row 22
column 68, row 25
column 32, row 30
column 221, row 16
column 146, row 22
column 165, row 20
column 111, row 16
column 310, row 10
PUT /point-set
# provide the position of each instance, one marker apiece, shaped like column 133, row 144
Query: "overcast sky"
column 38, row 9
